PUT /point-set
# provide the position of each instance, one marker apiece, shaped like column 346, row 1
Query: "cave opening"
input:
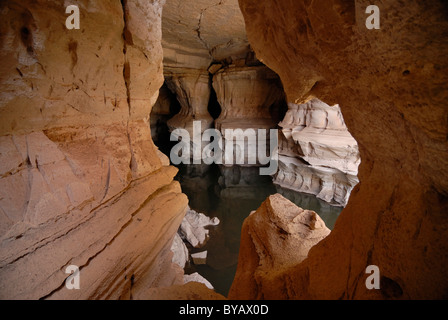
column 214, row 108
column 82, row 182
column 165, row 108
column 225, row 87
column 230, row 193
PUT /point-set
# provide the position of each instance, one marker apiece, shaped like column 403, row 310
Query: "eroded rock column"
column 192, row 90
column 245, row 95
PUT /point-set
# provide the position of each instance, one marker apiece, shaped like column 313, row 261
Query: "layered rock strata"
column 200, row 44
column 245, row 95
column 317, row 154
column 81, row 182
column 192, row 89
column 328, row 184
column 391, row 85
column 318, row 134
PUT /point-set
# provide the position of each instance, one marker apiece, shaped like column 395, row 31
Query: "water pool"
column 231, row 193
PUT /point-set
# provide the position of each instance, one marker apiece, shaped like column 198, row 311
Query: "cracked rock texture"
column 392, row 87
column 195, row 33
column 201, row 39
column 81, row 181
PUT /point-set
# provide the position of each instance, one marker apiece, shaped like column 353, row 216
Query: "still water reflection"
column 231, row 193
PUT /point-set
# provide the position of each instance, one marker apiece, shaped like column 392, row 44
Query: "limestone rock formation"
column 247, row 96
column 317, row 154
column 275, row 237
column 192, row 231
column 391, row 85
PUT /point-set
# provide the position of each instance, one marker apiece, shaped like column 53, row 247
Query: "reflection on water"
column 327, row 212
column 231, row 193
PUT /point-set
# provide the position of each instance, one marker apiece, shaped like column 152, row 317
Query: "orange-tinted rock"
column 245, row 95
column 81, row 181
column 196, row 33
column 188, row 291
column 275, row 237
column 391, row 85
column 192, row 90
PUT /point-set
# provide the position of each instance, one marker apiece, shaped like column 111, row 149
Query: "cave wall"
column 391, row 85
column 81, row 182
